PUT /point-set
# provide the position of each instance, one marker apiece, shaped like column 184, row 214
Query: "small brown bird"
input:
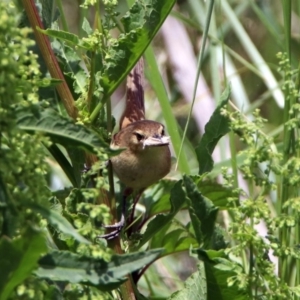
column 146, row 157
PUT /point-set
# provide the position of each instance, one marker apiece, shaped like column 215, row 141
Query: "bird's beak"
column 156, row 141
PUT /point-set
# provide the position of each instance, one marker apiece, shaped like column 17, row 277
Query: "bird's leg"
column 131, row 217
column 119, row 225
column 136, row 200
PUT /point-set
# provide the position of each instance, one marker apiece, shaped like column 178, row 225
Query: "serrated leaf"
column 177, row 199
column 194, row 287
column 58, row 221
column 70, row 267
column 196, row 223
column 60, row 129
column 218, row 269
column 202, row 212
column 141, row 24
column 72, row 67
column 217, row 126
column 65, row 36
column 18, row 258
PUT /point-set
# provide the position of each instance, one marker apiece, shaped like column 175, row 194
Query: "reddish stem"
column 48, row 55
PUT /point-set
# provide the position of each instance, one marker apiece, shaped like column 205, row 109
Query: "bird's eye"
column 163, row 132
column 139, row 136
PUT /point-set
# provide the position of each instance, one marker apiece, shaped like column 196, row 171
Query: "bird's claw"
column 115, row 233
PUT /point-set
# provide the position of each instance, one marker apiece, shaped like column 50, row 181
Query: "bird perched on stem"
column 146, row 156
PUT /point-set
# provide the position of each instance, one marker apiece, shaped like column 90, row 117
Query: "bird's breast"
column 141, row 169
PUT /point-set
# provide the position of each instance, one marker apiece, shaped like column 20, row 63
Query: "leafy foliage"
column 67, row 266
column 19, row 258
column 49, row 240
column 217, row 127
column 218, row 270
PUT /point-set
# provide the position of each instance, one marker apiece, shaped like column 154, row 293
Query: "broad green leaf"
column 141, row 24
column 60, row 129
column 74, row 268
column 202, row 212
column 217, row 126
column 18, row 258
column 161, row 206
column 58, row 221
column 157, row 198
column 218, row 270
column 173, row 238
column 216, row 193
column 177, row 199
column 194, row 287
column 219, row 195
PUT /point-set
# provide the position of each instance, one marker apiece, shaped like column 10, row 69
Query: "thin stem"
column 199, row 67
column 92, row 80
column 62, row 15
column 233, row 155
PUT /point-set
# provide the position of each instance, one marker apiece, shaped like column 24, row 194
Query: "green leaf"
column 173, row 238
column 65, row 36
column 177, row 199
column 86, row 26
column 71, row 65
column 194, row 287
column 218, row 270
column 74, row 268
column 58, row 221
column 18, row 258
column 64, row 164
column 155, row 79
column 161, row 206
column 60, row 129
column 157, row 198
column 217, row 126
column 216, row 193
column 141, row 24
column 77, row 158
column 202, row 212
column 49, row 12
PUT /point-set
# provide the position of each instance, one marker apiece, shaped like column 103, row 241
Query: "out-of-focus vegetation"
column 224, row 78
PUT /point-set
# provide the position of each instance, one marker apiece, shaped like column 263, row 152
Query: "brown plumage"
column 146, row 156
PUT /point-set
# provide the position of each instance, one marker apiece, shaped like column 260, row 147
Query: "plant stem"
column 49, row 57
column 92, row 81
column 62, row 15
